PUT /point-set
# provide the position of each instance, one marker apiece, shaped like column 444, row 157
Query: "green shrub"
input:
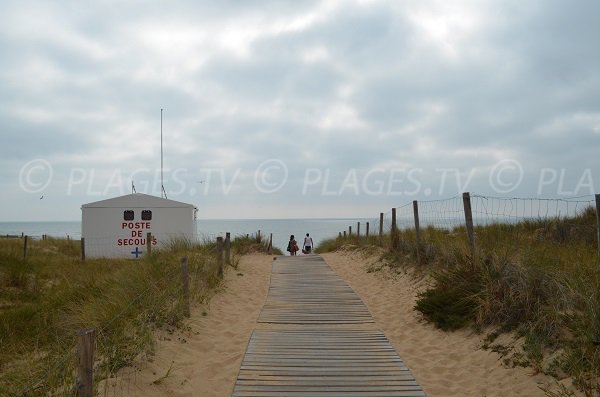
column 446, row 308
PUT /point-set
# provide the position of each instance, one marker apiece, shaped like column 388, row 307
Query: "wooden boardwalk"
column 305, row 290
column 317, row 338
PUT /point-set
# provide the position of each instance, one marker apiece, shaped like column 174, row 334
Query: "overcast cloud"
column 296, row 108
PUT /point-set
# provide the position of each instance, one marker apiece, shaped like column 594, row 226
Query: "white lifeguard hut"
column 118, row 227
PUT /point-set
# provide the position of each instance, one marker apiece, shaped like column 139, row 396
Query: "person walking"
column 308, row 244
column 292, row 247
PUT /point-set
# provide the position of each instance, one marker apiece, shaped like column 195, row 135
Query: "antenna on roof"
column 162, row 186
column 132, row 187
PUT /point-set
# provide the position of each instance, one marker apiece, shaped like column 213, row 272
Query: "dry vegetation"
column 46, row 298
column 537, row 279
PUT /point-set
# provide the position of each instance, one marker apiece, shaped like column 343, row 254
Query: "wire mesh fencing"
column 542, row 224
column 442, row 214
column 509, row 210
column 478, row 223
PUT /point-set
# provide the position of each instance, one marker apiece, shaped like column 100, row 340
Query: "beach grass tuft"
column 256, row 243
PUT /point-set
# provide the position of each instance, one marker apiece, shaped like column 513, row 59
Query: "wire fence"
column 472, row 218
column 489, row 210
column 441, row 214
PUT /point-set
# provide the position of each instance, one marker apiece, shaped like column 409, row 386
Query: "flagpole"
column 162, row 187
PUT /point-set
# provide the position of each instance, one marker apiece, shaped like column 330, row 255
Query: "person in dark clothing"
column 292, row 247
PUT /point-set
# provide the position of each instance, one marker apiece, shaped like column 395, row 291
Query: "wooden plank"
column 325, row 393
column 308, row 291
column 391, row 381
column 302, row 355
column 361, row 387
column 330, row 379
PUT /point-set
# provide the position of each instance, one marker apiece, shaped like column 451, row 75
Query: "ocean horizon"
column 319, row 228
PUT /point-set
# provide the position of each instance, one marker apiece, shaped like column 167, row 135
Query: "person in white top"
column 308, row 244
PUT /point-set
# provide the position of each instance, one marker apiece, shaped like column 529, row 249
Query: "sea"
column 208, row 229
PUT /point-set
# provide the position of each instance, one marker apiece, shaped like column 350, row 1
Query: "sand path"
column 204, row 359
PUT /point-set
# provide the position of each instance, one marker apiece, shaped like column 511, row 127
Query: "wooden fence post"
column 344, row 234
column 270, row 248
column 394, row 232
column 469, row 222
column 349, row 231
column 228, row 248
column 258, row 237
column 149, row 244
column 367, row 231
column 381, row 229
column 598, row 224
column 417, row 230
column 358, row 229
column 82, row 249
column 185, row 278
column 25, row 247
column 84, row 383
column 340, row 234
column 220, row 270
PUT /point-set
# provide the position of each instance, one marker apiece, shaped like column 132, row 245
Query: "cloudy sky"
column 296, row 108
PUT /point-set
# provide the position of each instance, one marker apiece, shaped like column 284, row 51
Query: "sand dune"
column 204, row 359
column 444, row 364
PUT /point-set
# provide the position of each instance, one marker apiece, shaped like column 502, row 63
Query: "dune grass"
column 537, row 278
column 46, row 298
column 243, row 245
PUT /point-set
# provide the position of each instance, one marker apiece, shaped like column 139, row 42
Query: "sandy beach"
column 204, row 358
